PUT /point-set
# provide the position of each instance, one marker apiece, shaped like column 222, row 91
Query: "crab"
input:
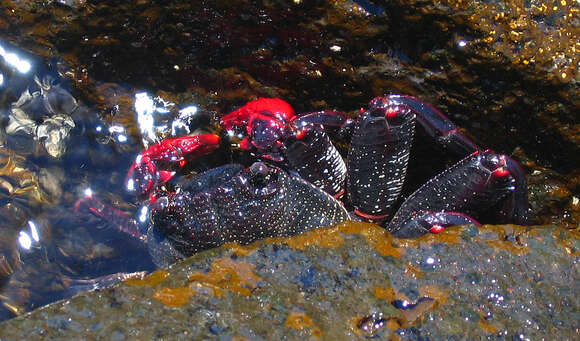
column 300, row 176
column 231, row 203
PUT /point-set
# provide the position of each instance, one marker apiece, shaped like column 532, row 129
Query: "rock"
column 350, row 281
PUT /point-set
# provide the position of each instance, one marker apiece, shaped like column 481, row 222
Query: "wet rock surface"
column 350, row 281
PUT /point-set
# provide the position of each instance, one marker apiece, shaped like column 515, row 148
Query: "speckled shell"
column 222, row 205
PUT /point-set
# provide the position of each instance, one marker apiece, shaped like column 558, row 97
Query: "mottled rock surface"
column 347, row 282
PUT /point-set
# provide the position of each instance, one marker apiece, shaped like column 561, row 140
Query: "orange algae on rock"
column 430, row 291
column 239, row 338
column 241, row 250
column 301, row 321
column 330, row 237
column 386, row 293
column 376, row 236
column 148, row 281
column 326, row 237
column 451, row 235
column 412, row 315
column 484, row 325
column 227, row 274
column 408, row 317
column 502, row 242
column 392, row 322
column 568, row 244
column 413, row 271
column 503, row 229
column 173, row 297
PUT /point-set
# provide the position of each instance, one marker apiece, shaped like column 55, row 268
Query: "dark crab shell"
column 233, row 204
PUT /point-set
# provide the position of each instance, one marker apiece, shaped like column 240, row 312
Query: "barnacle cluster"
column 45, row 115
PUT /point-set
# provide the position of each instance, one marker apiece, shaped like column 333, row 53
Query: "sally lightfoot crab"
column 295, row 152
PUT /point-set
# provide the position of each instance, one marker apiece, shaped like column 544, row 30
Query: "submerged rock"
column 349, row 281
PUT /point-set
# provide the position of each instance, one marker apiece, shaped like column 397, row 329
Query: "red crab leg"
column 263, row 122
column 111, row 215
column 472, row 186
column 424, row 221
column 158, row 163
column 311, row 153
column 515, row 207
column 330, row 119
column 380, row 149
column 436, row 124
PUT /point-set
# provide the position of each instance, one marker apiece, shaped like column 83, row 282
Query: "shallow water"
column 100, row 66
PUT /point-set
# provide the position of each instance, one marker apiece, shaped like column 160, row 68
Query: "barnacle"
column 53, row 132
column 44, row 115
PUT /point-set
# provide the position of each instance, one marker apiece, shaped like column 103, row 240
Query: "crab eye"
column 259, row 175
column 259, row 168
column 262, row 180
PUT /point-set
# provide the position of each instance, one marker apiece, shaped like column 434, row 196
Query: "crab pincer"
column 263, row 121
column 159, row 163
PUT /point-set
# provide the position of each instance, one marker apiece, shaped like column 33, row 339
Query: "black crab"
column 300, row 175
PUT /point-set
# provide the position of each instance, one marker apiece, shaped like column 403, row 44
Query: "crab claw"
column 263, row 120
column 158, row 163
column 275, row 108
column 143, row 176
column 236, row 204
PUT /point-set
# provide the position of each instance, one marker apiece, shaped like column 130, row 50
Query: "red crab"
column 375, row 167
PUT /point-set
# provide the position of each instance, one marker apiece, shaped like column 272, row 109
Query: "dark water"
column 88, row 70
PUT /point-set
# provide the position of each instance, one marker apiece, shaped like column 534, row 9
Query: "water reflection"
column 15, row 61
column 143, row 214
column 53, row 146
column 158, row 118
column 118, row 133
column 88, row 192
column 181, row 125
column 56, row 150
column 30, row 238
column 145, row 108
